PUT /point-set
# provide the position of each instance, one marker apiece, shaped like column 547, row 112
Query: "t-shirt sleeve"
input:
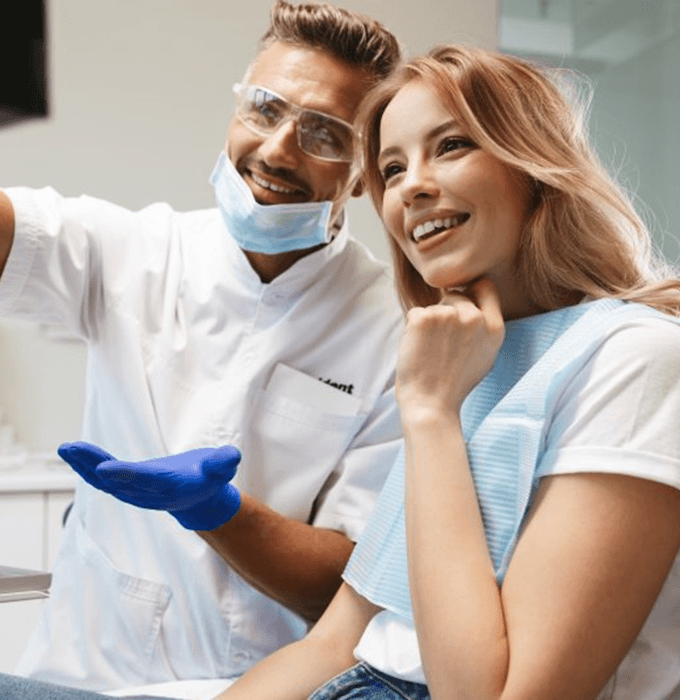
column 620, row 414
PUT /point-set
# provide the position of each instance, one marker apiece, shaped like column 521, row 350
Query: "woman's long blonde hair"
column 583, row 236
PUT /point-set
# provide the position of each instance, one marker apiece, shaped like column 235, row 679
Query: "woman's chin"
column 449, row 283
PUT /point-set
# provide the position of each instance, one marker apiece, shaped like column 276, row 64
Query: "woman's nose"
column 418, row 182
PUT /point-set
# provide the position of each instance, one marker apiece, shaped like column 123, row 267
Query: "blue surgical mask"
column 272, row 228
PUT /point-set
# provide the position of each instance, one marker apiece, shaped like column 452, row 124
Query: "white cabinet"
column 33, row 499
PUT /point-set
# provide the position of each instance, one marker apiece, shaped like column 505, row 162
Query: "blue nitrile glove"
column 192, row 486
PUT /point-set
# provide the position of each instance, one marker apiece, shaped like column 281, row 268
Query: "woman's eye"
column 454, row 143
column 390, row 170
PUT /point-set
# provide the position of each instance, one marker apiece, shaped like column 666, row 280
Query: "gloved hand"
column 192, row 486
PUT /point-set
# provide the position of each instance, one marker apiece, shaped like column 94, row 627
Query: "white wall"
column 140, row 99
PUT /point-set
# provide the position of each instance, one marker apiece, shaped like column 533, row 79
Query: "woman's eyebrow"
column 388, row 152
column 440, row 129
column 450, row 124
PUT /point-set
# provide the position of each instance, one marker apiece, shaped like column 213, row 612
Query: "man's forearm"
column 291, row 562
column 6, row 228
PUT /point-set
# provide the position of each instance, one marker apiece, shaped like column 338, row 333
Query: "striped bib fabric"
column 505, row 419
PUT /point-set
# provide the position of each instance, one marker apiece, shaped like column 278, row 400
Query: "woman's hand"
column 448, row 348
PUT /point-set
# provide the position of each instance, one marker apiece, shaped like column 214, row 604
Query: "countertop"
column 34, row 473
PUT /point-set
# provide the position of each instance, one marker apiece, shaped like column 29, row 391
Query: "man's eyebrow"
column 445, row 126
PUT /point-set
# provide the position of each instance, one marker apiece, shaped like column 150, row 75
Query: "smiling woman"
column 455, row 211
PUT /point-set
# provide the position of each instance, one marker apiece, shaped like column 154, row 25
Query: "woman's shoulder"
column 654, row 337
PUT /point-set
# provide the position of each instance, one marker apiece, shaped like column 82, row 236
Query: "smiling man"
column 291, row 141
column 238, row 325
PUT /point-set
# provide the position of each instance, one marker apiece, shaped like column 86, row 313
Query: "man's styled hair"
column 582, row 237
column 350, row 36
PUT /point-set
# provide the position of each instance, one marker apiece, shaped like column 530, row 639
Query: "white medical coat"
column 184, row 340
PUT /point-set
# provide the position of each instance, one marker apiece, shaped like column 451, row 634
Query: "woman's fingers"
column 485, row 295
column 449, row 347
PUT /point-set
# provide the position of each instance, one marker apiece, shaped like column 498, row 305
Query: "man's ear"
column 359, row 188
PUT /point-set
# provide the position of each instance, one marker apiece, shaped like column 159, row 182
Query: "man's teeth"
column 270, row 185
column 428, row 227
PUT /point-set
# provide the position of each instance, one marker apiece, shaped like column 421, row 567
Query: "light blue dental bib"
column 505, row 420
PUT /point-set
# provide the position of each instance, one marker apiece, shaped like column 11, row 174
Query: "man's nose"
column 280, row 148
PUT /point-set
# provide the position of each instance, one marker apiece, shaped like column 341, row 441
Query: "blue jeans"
column 18, row 688
column 363, row 681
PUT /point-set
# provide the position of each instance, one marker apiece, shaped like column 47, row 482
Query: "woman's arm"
column 588, row 567
column 295, row 671
column 445, row 351
column 584, row 576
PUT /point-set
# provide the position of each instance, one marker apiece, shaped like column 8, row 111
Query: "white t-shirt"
column 621, row 417
column 188, row 348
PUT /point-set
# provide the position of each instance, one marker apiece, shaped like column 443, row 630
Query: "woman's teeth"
column 425, row 229
column 270, row 185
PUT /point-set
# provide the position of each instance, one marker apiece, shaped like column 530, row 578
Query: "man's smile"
column 271, row 186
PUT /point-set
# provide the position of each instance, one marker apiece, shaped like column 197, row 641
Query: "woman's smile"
column 431, row 226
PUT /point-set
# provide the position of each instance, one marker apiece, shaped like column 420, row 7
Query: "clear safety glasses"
column 318, row 134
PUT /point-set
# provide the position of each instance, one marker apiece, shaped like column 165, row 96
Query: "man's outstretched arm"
column 294, row 563
column 6, row 228
column 298, row 565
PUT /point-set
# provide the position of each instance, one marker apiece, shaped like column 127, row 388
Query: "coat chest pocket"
column 299, row 432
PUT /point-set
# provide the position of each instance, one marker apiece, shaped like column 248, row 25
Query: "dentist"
column 261, row 325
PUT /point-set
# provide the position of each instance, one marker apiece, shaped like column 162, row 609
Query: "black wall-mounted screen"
column 23, row 78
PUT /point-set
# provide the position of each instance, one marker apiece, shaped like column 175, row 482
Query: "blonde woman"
column 526, row 544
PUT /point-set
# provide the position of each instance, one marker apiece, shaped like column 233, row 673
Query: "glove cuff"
column 211, row 513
